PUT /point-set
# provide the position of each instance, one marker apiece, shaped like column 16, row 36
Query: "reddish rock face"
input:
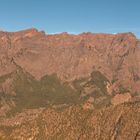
column 66, row 86
column 121, row 98
column 72, row 56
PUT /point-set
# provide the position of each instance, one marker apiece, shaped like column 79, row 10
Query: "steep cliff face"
column 68, row 73
column 72, row 56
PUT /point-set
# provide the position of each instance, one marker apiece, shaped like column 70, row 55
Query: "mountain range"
column 69, row 87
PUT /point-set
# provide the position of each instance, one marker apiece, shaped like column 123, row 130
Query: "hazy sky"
column 73, row 16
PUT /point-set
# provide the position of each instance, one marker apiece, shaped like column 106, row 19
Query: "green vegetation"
column 136, row 77
column 99, row 80
column 4, row 77
column 58, row 93
column 7, row 131
column 104, row 102
column 49, row 91
column 123, row 89
column 114, row 80
column 96, row 88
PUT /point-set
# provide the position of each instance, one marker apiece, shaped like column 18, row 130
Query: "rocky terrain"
column 69, row 87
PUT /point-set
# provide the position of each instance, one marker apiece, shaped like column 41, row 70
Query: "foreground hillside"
column 71, row 87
